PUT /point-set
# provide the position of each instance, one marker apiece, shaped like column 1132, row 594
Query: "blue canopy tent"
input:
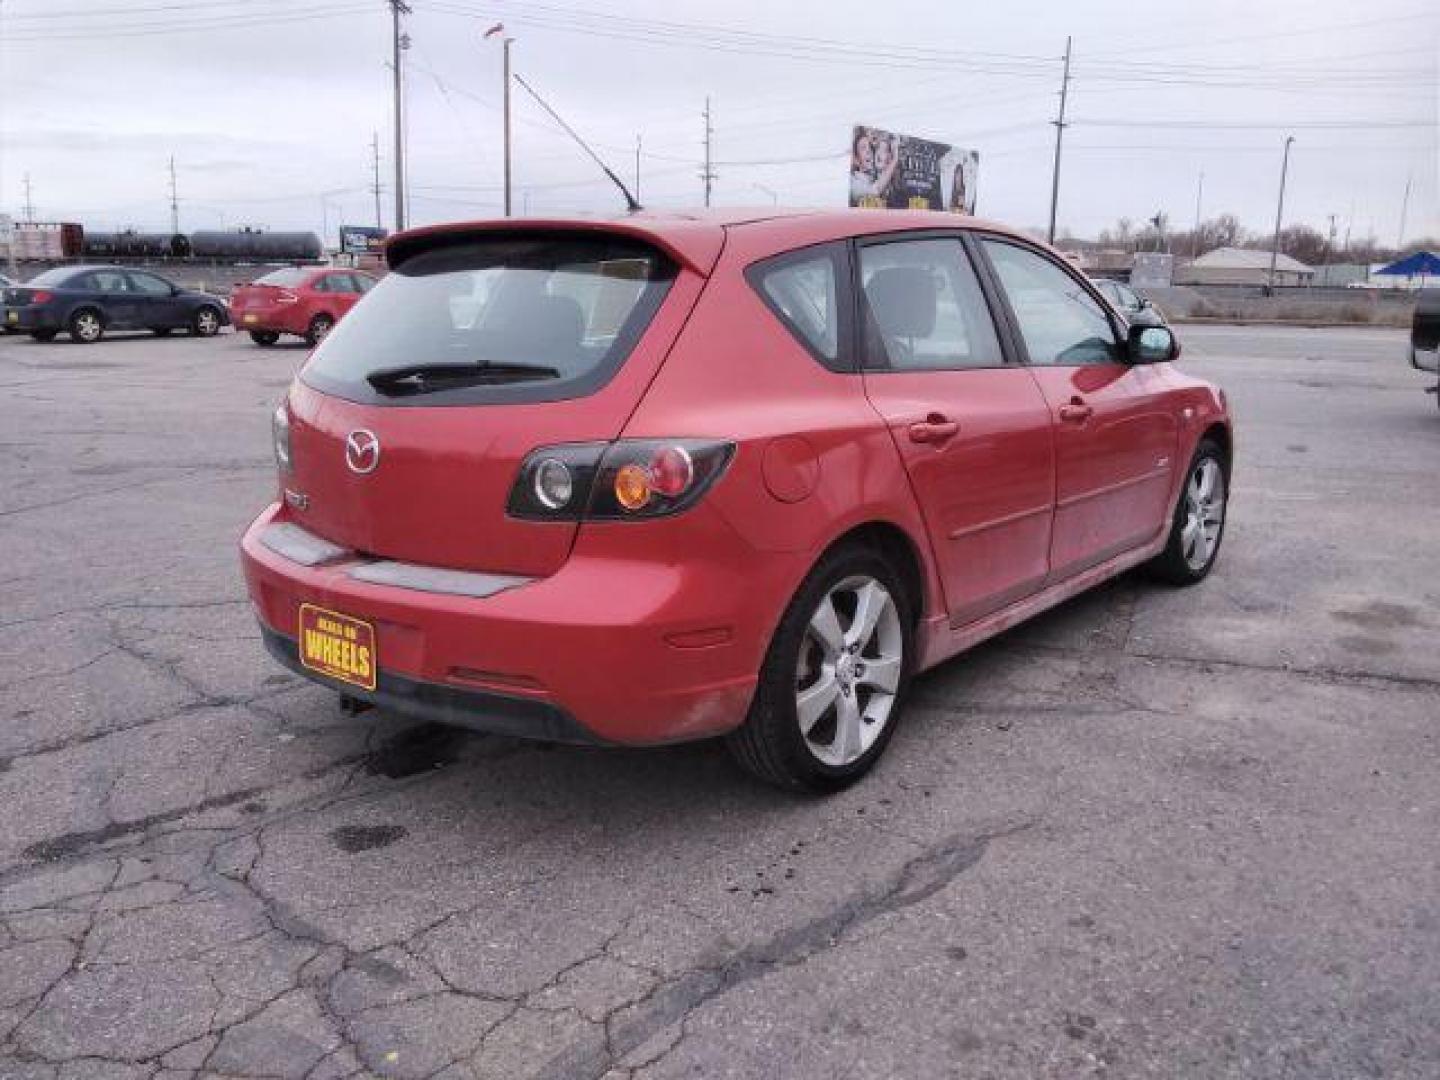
column 1422, row 264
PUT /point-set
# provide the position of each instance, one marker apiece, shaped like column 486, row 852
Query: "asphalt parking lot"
column 1153, row 833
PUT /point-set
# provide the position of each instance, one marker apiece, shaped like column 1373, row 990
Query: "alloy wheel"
column 207, row 323
column 1204, row 513
column 849, row 670
column 87, row 325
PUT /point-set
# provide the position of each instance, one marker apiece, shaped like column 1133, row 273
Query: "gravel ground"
column 1152, row 833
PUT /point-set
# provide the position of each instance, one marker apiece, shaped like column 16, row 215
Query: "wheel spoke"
column 882, row 674
column 1188, row 536
column 847, row 728
column 870, row 604
column 811, row 703
column 1205, row 481
column 825, row 627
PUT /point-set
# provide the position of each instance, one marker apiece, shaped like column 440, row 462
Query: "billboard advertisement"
column 901, row 172
column 362, row 239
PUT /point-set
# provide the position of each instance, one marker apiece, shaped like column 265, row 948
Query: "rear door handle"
column 935, row 428
column 1076, row 411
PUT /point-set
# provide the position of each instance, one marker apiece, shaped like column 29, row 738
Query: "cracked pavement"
column 1151, row 833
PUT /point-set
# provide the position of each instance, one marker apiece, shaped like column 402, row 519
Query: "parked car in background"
column 306, row 302
column 676, row 476
column 1138, row 310
column 5, row 283
column 88, row 301
column 1425, row 335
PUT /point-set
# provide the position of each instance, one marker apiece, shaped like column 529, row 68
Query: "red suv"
column 672, row 477
column 304, row 302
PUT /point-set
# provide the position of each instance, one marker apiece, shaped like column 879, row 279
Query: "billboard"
column 361, row 239
column 901, row 172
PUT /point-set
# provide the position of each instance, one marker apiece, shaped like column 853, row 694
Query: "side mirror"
column 1152, row 345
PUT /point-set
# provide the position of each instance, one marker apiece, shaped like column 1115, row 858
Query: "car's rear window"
column 284, row 279
column 552, row 317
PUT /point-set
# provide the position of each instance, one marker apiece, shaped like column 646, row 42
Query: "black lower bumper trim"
column 476, row 710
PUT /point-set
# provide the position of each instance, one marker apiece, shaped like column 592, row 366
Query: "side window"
column 804, row 293
column 148, row 285
column 1061, row 323
column 924, row 310
column 324, row 283
column 363, row 284
column 109, row 281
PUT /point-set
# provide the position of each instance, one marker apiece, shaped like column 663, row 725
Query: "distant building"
column 1243, row 266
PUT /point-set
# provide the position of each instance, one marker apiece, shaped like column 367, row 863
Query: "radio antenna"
column 630, row 202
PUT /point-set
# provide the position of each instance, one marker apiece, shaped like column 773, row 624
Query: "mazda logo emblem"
column 362, row 451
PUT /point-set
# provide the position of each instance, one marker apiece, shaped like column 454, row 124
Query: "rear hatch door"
column 410, row 422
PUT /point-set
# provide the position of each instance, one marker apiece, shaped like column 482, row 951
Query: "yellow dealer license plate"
column 12, row 317
column 337, row 645
column 252, row 318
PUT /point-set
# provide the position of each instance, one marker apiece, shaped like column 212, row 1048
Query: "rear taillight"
column 621, row 481
column 41, row 297
column 280, row 436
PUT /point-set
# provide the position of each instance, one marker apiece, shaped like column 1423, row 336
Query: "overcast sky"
column 268, row 106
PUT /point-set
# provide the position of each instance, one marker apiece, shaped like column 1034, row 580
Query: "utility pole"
column 1279, row 210
column 505, row 40
column 1060, row 126
column 1404, row 209
column 174, row 200
column 709, row 174
column 1195, row 239
column 375, row 175
column 399, row 43
column 1330, row 247
column 29, row 200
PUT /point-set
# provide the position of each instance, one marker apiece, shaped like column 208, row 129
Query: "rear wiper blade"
column 417, row 378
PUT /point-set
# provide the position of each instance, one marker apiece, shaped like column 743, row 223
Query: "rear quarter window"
column 553, row 315
column 806, row 292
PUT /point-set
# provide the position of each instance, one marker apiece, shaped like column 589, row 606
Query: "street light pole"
column 505, row 40
column 1279, row 210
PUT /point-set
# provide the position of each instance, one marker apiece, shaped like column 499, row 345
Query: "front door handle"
column 1076, row 411
column 935, row 428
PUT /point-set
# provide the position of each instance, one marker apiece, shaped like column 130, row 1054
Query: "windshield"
column 285, row 279
column 556, row 315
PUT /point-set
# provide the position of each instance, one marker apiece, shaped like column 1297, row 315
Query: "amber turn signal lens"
column 632, row 487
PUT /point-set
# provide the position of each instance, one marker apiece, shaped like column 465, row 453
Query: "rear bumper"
column 489, row 712
column 272, row 320
column 609, row 649
column 31, row 318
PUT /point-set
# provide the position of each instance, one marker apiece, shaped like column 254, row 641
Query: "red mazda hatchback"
column 306, row 302
column 679, row 476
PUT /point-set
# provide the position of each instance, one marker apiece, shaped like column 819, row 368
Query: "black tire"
column 769, row 745
column 206, row 321
column 319, row 328
column 44, row 335
column 86, row 326
column 1172, row 566
column 264, row 338
column 161, row 331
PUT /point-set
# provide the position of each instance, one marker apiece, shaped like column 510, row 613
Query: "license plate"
column 12, row 317
column 337, row 645
column 252, row 318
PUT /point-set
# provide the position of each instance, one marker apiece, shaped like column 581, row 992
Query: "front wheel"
column 206, row 322
column 86, row 326
column 1199, row 522
column 834, row 679
column 319, row 329
column 264, row 338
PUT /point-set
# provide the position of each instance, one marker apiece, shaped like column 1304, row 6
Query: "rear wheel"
column 264, row 337
column 1199, row 522
column 44, row 335
column 319, row 329
column 206, row 322
column 834, row 679
column 86, row 326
